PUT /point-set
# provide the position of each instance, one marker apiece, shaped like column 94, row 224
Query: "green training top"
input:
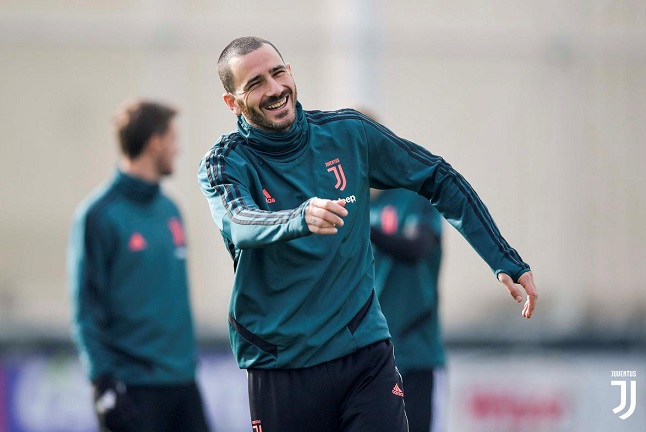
column 298, row 299
column 128, row 284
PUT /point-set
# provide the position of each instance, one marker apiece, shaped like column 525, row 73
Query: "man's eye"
column 279, row 73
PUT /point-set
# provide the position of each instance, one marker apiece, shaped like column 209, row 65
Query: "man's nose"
column 273, row 87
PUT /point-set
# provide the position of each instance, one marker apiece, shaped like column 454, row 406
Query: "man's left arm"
column 396, row 162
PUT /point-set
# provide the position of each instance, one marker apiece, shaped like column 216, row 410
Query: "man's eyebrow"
column 277, row 68
column 259, row 76
column 251, row 81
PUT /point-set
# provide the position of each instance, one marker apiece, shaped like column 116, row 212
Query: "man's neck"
column 141, row 168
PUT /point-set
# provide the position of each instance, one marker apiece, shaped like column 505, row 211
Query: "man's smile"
column 280, row 103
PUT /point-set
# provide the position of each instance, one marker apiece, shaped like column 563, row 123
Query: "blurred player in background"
column 129, row 287
column 406, row 235
column 290, row 192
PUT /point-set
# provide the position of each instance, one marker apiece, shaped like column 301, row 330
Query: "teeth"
column 277, row 104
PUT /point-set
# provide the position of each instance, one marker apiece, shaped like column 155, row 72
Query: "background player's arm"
column 88, row 276
column 403, row 247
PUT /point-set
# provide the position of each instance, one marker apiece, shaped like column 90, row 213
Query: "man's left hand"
column 526, row 280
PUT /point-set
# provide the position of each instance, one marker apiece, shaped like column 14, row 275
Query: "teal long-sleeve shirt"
column 129, row 287
column 300, row 299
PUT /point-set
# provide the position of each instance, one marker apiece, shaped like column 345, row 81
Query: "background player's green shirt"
column 406, row 237
column 128, row 282
column 299, row 299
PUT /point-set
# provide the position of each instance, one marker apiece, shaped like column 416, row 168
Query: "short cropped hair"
column 138, row 121
column 238, row 47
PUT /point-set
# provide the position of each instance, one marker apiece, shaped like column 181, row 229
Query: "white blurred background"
column 540, row 105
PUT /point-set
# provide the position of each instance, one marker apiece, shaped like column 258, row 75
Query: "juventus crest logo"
column 335, row 167
column 622, row 404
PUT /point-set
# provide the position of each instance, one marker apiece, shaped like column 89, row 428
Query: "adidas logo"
column 268, row 197
column 397, row 391
column 137, row 242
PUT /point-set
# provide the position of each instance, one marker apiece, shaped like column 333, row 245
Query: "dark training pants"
column 419, row 399
column 167, row 408
column 356, row 393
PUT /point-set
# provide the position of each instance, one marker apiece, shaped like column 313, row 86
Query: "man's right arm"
column 87, row 277
column 247, row 226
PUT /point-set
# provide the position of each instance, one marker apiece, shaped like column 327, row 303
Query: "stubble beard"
column 257, row 119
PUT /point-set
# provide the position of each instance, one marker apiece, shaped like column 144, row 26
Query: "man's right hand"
column 323, row 216
column 113, row 406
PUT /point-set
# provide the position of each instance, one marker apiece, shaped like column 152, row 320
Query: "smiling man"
column 261, row 70
column 303, row 317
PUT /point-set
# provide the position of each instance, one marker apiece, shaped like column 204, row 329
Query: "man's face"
column 265, row 91
column 165, row 159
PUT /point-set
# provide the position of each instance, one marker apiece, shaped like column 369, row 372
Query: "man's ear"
column 153, row 145
column 230, row 101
